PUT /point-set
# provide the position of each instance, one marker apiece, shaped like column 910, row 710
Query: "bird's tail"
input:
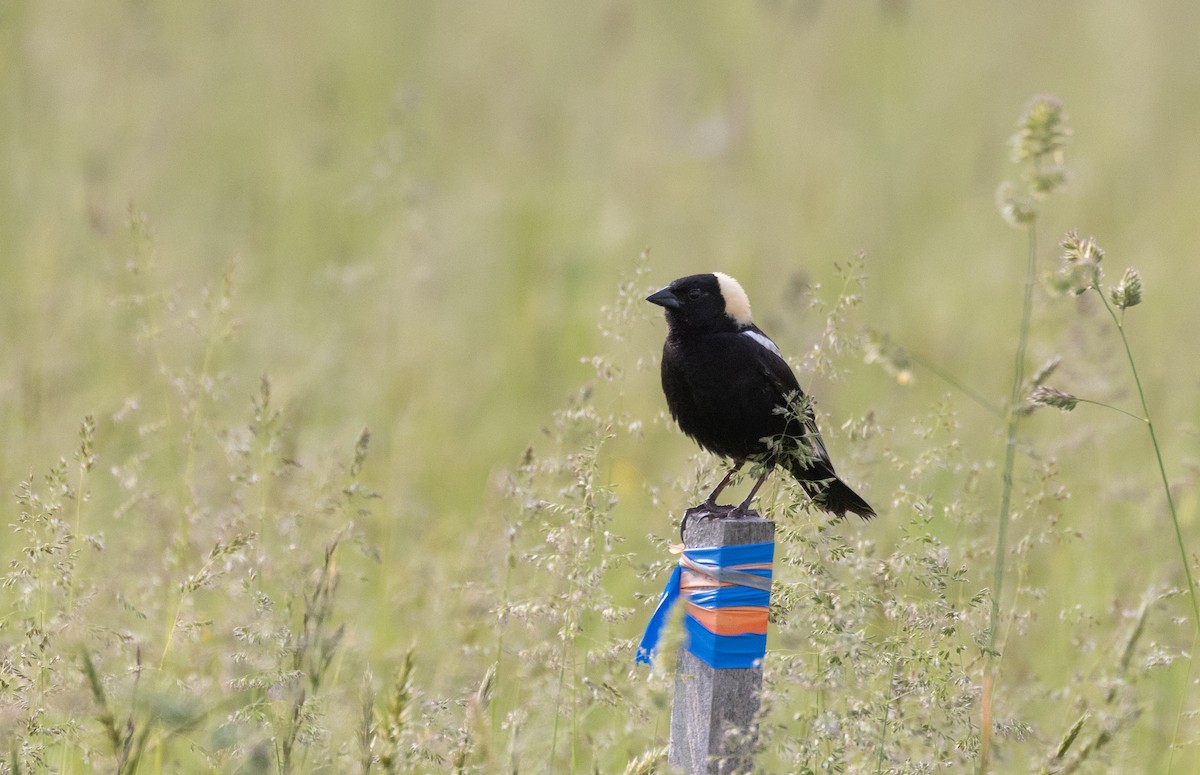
column 836, row 497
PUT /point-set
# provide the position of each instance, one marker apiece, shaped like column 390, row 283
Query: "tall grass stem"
column 1119, row 320
column 1010, row 449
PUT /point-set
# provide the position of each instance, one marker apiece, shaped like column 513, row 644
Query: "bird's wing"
column 773, row 366
column 771, row 362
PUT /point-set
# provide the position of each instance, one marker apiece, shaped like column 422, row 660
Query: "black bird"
column 729, row 388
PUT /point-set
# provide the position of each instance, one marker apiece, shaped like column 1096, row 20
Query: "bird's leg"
column 711, row 501
column 744, row 508
column 709, row 509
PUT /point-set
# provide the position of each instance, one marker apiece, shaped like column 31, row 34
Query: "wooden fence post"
column 713, row 710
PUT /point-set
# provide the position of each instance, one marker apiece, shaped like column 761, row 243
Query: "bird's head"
column 704, row 301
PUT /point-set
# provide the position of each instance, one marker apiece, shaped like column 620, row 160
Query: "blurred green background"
column 427, row 203
column 423, row 207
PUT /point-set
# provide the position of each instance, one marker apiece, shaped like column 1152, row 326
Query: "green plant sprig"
column 1080, row 272
column 1042, row 134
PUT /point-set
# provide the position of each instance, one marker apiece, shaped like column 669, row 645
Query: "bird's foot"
column 742, row 511
column 712, row 510
column 707, row 510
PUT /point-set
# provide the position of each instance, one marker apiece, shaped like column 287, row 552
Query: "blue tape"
column 724, row 651
column 654, row 627
column 719, row 651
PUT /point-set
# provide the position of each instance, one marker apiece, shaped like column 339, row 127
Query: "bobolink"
column 729, row 388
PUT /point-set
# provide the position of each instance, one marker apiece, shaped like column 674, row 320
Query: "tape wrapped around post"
column 728, row 595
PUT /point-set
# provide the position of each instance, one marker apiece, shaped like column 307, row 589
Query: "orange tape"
column 732, row 620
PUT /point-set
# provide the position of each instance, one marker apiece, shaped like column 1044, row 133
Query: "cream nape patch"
column 737, row 303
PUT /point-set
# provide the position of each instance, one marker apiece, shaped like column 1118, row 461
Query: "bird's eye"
column 695, row 293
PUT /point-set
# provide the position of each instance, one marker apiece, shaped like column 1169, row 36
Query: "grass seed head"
column 1079, row 266
column 1048, row 396
column 1016, row 207
column 1128, row 292
column 1042, row 131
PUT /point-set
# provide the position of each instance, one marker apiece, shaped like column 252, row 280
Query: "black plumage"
column 729, row 388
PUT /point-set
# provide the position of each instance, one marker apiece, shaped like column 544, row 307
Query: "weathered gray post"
column 712, row 713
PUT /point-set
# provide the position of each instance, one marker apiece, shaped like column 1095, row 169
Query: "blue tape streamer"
column 719, row 651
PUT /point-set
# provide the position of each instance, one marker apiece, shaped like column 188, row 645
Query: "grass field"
column 329, row 407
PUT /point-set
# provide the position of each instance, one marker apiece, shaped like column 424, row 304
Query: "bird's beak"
column 664, row 298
